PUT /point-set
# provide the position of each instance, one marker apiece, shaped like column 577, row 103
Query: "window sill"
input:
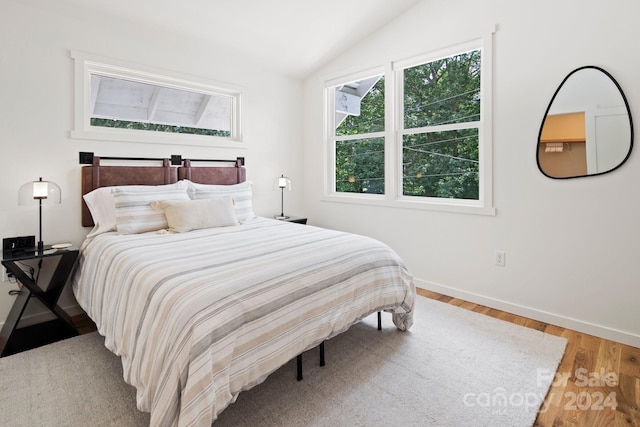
column 437, row 205
column 129, row 135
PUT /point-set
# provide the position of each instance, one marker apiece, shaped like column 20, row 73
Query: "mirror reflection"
column 587, row 129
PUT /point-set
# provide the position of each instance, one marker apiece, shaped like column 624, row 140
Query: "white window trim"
column 85, row 65
column 393, row 148
column 329, row 123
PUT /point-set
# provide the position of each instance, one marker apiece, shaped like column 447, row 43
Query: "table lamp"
column 282, row 182
column 39, row 192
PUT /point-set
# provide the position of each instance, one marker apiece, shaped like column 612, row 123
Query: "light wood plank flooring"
column 572, row 402
column 584, row 399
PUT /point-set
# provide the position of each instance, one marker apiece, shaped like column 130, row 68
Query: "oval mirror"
column 587, row 128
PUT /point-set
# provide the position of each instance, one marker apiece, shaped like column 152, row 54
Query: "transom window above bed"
column 115, row 102
column 415, row 133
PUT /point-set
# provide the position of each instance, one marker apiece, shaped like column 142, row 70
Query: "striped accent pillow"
column 134, row 213
column 242, row 195
column 103, row 208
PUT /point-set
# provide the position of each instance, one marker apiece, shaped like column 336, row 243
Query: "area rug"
column 453, row 368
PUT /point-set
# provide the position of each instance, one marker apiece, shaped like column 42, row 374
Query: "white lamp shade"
column 282, row 182
column 39, row 191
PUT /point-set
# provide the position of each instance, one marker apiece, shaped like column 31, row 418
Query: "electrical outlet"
column 500, row 261
column 6, row 275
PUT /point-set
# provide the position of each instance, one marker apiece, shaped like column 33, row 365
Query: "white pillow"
column 187, row 215
column 103, row 208
column 242, row 195
column 134, row 213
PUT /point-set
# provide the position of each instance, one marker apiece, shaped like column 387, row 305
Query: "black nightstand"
column 14, row 340
column 296, row 219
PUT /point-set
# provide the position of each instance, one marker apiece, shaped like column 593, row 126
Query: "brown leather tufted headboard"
column 96, row 176
column 212, row 175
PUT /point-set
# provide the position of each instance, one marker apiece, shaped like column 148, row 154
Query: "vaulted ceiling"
column 292, row 36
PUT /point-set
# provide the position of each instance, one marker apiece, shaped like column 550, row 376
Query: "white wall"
column 36, row 112
column 572, row 254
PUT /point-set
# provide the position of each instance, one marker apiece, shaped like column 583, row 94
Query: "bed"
column 199, row 315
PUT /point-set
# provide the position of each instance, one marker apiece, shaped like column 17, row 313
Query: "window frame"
column 394, row 131
column 85, row 65
column 331, row 137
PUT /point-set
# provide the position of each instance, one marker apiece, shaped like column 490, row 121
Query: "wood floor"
column 83, row 324
column 597, row 382
column 581, row 395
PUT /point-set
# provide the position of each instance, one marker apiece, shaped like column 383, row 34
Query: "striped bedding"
column 198, row 317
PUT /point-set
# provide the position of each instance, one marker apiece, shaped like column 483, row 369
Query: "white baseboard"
column 623, row 337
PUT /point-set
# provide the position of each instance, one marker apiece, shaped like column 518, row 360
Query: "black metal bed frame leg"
column 322, row 359
column 299, row 361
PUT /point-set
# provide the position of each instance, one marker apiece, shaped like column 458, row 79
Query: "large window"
column 416, row 135
column 115, row 102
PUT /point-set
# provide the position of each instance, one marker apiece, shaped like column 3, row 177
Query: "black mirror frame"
column 626, row 104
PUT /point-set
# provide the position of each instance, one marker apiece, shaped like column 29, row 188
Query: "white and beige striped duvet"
column 198, row 317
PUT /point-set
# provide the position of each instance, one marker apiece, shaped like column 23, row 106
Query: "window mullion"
column 397, row 114
column 359, row 136
column 442, row 128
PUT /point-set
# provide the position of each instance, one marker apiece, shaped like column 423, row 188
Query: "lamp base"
column 281, row 216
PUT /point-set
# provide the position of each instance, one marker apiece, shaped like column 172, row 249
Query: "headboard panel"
column 213, row 174
column 96, row 176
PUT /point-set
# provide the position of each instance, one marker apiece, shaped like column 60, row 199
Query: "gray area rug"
column 454, row 368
